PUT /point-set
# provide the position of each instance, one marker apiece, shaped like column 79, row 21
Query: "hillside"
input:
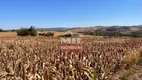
column 135, row 31
column 53, row 29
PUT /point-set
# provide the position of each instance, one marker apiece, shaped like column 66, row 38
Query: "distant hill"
column 53, row 29
column 135, row 31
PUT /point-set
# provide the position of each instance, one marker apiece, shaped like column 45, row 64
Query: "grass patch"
column 132, row 57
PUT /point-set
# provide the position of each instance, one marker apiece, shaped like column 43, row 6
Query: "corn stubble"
column 41, row 59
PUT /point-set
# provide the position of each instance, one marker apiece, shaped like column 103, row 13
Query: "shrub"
column 65, row 35
column 47, row 34
column 23, row 32
column 26, row 32
column 68, row 35
column 13, row 30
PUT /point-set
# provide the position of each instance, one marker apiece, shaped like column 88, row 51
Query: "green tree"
column 32, row 31
column 1, row 30
column 25, row 31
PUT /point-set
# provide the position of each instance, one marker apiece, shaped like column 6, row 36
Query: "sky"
column 15, row 14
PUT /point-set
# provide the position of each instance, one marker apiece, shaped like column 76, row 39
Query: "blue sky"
column 69, row 13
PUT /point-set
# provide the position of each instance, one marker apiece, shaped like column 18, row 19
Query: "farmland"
column 39, row 58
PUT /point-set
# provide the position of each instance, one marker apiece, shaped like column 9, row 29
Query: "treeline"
column 1, row 30
column 114, row 31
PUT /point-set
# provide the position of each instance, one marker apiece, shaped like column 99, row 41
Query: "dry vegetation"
column 8, row 34
column 38, row 58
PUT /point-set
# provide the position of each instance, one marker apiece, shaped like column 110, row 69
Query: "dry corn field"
column 40, row 58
